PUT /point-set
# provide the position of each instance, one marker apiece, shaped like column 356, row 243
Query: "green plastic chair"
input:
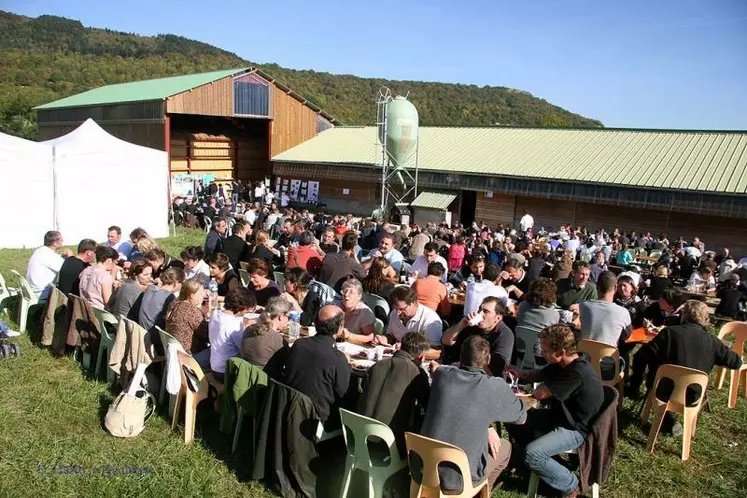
column 279, row 279
column 357, row 430
column 106, row 344
column 28, row 300
column 167, row 339
column 244, row 275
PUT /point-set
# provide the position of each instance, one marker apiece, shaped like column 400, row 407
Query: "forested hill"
column 48, row 57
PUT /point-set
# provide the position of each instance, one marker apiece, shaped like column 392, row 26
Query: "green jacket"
column 568, row 294
column 244, row 387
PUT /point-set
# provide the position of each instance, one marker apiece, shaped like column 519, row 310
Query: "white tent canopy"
column 26, row 192
column 86, row 181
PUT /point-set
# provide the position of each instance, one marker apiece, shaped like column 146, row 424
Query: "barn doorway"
column 467, row 207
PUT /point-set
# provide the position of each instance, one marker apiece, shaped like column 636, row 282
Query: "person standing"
column 527, row 222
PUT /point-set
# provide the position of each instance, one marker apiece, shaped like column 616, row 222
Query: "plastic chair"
column 279, row 278
column 357, row 430
column 654, row 254
column 106, row 343
column 599, row 350
column 253, row 396
column 534, row 480
column 433, row 452
column 166, row 339
column 5, row 292
column 28, row 300
column 739, row 331
column 208, row 223
column 378, row 326
column 682, row 377
column 195, row 388
column 526, row 340
column 373, row 301
column 244, row 275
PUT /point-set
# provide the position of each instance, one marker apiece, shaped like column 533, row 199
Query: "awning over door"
column 433, row 200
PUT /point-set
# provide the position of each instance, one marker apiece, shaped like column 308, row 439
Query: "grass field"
column 52, row 441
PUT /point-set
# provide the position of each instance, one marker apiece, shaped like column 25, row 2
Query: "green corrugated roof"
column 139, row 91
column 691, row 160
column 433, row 200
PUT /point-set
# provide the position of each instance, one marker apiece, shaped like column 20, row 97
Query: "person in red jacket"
column 304, row 255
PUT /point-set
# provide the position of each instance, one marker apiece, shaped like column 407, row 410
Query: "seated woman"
column 156, row 300
column 142, row 245
column 124, row 298
column 259, row 283
column 221, row 271
column 301, row 297
column 538, row 311
column 623, row 256
column 263, row 339
column 377, row 280
column 359, row 319
column 195, row 266
column 226, row 328
column 96, row 281
column 659, row 282
column 665, row 311
column 186, row 322
column 263, row 250
column 627, row 297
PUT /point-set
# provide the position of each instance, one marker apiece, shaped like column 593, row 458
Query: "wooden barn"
column 688, row 183
column 225, row 124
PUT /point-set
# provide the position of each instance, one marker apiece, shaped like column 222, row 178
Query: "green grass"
column 53, row 443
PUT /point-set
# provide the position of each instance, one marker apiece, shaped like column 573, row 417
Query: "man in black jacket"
column 215, row 237
column 235, row 246
column 687, row 345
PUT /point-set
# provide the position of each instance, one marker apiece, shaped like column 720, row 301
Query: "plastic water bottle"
column 294, row 325
column 471, row 279
column 213, row 288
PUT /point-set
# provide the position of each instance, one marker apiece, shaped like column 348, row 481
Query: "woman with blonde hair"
column 263, row 339
column 186, row 322
column 658, row 283
column 142, row 245
column 263, row 250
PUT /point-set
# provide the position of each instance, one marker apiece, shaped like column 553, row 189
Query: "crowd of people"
column 344, row 277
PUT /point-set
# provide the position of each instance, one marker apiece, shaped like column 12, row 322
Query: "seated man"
column 45, row 264
column 114, row 240
column 576, row 288
column 576, row 396
column 305, row 255
column 474, row 267
column 491, row 328
column 430, row 255
column 488, row 286
column 601, row 319
column 387, row 251
column 688, row 345
column 408, row 315
column 316, row 368
column 464, row 403
column 515, row 280
column 431, row 291
column 69, row 277
column 394, row 385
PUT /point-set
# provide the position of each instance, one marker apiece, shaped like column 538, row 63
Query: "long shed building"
column 688, row 183
column 223, row 123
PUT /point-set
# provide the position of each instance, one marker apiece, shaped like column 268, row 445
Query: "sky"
column 634, row 64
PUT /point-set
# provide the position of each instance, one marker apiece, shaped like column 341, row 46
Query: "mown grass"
column 52, row 441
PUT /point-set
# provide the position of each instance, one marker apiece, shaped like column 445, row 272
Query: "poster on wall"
column 295, row 187
column 312, row 193
column 182, row 185
column 278, row 183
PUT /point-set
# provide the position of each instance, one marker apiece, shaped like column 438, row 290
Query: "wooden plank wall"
column 546, row 212
column 212, row 99
column 624, row 218
column 495, row 210
column 292, row 123
column 252, row 158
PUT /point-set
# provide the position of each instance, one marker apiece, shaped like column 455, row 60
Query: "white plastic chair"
column 373, row 301
column 357, row 430
column 378, row 327
column 167, row 339
column 5, row 292
column 28, row 299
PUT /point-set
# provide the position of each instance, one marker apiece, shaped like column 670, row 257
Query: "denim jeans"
column 539, row 455
column 203, row 358
column 542, row 439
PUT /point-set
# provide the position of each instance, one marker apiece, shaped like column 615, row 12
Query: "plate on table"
column 359, row 364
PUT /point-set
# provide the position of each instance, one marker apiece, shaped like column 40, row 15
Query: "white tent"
column 26, row 192
column 101, row 181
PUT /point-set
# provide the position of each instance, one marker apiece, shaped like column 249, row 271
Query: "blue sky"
column 645, row 64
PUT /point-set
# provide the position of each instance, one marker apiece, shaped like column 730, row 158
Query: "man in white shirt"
column 259, row 192
column 250, row 216
column 408, row 315
column 478, row 291
column 601, row 319
column 386, row 250
column 269, row 196
column 527, row 222
column 45, row 264
column 114, row 240
column 572, row 245
column 430, row 255
column 284, row 199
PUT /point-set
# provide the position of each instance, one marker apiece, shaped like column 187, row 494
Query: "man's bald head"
column 329, row 321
